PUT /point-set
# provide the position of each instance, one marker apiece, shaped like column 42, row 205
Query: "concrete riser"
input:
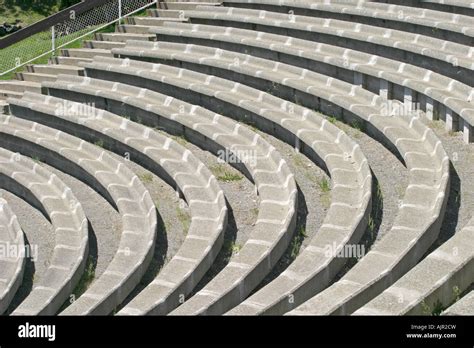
column 444, row 68
column 395, row 25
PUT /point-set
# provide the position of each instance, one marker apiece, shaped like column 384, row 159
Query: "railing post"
column 120, row 11
column 53, row 39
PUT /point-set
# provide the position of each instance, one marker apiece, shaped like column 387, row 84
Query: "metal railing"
column 63, row 28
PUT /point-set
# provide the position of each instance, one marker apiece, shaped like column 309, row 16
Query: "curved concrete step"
column 73, row 61
column 450, row 59
column 316, row 138
column 259, row 161
column 12, row 265
column 133, row 29
column 175, row 165
column 85, row 52
column 123, row 37
column 452, row 6
column 441, row 25
column 417, row 145
column 34, row 77
column 5, row 94
column 122, row 188
column 44, row 190
column 55, row 69
column 152, row 21
column 185, row 5
column 20, row 86
column 437, row 95
column 436, row 281
column 4, row 107
column 416, row 158
column 103, row 45
column 465, row 306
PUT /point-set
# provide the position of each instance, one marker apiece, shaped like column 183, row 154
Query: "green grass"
column 299, row 160
column 436, row 310
column 324, row 185
column 37, row 44
column 371, row 225
column 231, row 247
column 235, row 248
column 438, row 306
column 86, row 280
column 183, row 218
column 297, row 242
column 30, row 11
column 254, row 212
column 146, row 178
column 180, row 139
column 379, row 191
column 224, row 174
column 99, row 143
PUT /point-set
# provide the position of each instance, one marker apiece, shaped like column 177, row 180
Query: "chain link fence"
column 45, row 43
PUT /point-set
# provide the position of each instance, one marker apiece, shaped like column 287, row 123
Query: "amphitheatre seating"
column 442, row 25
column 11, row 265
column 3, row 107
column 54, row 69
column 123, row 37
column 107, row 45
column 452, row 6
column 152, row 21
column 134, row 29
column 202, row 69
column 437, row 94
column 423, row 207
column 318, row 139
column 73, row 61
column 49, row 194
column 180, row 169
column 263, row 165
column 465, row 306
column 109, row 177
column 186, row 5
column 34, row 77
column 440, row 277
column 450, row 59
column 16, row 88
column 84, row 52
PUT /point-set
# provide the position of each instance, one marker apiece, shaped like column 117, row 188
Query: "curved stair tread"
column 51, row 196
column 465, row 306
column 419, row 147
column 366, row 38
column 11, row 265
column 273, row 179
column 416, row 148
column 440, row 277
column 351, row 180
column 421, row 150
column 181, row 170
column 401, row 15
column 452, row 94
column 116, row 183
